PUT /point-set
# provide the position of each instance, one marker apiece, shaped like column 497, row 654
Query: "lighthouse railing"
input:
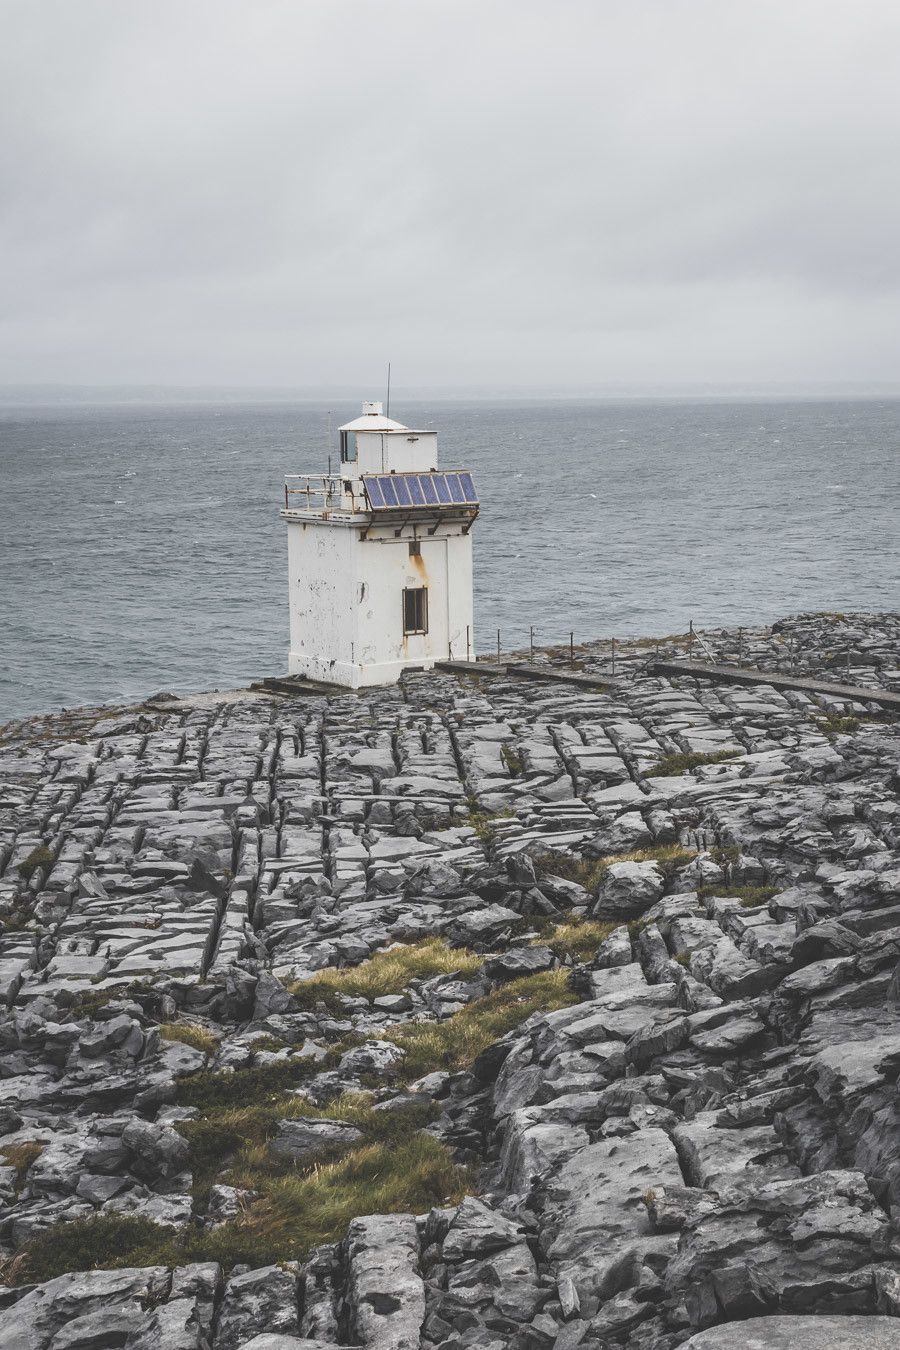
column 320, row 494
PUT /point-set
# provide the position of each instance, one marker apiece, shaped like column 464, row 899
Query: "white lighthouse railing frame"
column 322, row 495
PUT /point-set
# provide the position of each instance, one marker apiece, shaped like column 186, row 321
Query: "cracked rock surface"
column 630, row 1081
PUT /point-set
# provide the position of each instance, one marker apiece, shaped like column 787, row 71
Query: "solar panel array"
column 401, row 491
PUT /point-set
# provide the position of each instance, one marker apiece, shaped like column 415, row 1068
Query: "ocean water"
column 141, row 547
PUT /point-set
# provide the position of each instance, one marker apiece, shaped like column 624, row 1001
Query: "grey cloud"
column 292, row 191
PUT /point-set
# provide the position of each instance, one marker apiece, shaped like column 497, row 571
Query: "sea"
column 141, row 547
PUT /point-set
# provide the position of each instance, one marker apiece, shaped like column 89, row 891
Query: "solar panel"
column 468, row 488
column 456, row 492
column 402, row 491
column 399, row 491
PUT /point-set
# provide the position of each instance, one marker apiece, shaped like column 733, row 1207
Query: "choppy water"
column 141, row 548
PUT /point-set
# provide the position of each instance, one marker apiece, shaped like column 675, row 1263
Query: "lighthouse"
column 379, row 557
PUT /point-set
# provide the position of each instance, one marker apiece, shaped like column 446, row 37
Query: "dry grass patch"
column 387, row 972
column 188, row 1034
column 589, row 872
column 21, row 1156
column 398, row 1169
column 455, row 1043
column 577, row 939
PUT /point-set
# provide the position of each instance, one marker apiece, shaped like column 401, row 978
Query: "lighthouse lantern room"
column 379, row 557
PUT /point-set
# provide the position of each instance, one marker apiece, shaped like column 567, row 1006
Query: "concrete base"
column 349, row 675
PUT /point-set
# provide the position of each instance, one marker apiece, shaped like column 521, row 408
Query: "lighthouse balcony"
column 447, row 495
column 323, row 496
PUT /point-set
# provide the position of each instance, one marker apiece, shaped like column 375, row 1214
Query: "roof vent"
column 373, row 409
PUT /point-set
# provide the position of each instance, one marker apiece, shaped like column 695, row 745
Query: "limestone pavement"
column 699, row 1147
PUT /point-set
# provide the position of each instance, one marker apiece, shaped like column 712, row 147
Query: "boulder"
column 307, row 1137
column 629, row 889
column 263, row 1300
column 800, row 1333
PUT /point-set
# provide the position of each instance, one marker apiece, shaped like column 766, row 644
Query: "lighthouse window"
column 346, row 447
column 415, row 609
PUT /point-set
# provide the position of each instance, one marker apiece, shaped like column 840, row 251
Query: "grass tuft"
column 577, row 939
column 188, row 1034
column 210, row 1091
column 387, row 972
column 455, row 1043
column 671, row 766
column 21, row 1156
column 589, row 872
column 484, row 823
column 512, row 758
column 749, row 896
column 398, row 1169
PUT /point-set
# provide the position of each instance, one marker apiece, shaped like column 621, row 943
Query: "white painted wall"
column 346, row 601
column 321, row 600
column 404, row 451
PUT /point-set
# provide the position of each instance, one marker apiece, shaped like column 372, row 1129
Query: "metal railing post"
column 468, row 641
column 613, row 658
column 498, row 646
column 531, row 643
column 571, row 649
column 740, row 645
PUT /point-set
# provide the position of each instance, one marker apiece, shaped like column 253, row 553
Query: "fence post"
column 613, row 658
column 740, row 645
column 498, row 646
column 468, row 641
column 531, row 643
column 690, row 639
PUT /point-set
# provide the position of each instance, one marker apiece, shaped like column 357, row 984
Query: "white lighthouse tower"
column 379, row 557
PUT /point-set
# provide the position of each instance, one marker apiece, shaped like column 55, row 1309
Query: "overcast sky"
column 562, row 193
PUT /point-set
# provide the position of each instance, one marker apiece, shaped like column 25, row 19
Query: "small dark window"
column 415, row 549
column 346, row 447
column 415, row 609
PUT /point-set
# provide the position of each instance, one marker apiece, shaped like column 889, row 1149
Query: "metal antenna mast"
column 388, row 403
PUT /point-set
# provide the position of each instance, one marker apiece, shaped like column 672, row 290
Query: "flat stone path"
column 698, row 670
